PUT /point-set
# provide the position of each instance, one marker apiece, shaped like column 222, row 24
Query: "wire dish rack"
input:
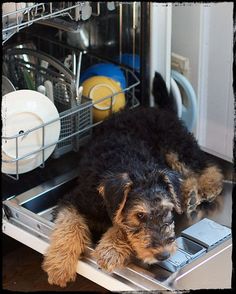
column 29, row 68
column 17, row 16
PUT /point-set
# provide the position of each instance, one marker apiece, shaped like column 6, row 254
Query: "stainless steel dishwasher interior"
column 32, row 210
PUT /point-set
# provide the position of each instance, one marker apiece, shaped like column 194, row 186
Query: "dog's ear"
column 114, row 189
column 172, row 181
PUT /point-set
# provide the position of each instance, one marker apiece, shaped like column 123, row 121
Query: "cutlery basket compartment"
column 31, row 69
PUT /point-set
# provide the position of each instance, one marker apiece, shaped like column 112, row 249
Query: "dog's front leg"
column 68, row 241
column 113, row 250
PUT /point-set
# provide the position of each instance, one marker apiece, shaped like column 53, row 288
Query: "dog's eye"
column 141, row 215
column 170, row 240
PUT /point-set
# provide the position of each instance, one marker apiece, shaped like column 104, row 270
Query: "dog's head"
column 144, row 210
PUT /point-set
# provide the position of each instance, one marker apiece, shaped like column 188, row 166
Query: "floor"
column 21, row 271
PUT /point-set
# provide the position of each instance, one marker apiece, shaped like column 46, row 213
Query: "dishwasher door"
column 27, row 218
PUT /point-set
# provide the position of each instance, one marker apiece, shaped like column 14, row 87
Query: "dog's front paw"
column 210, row 184
column 59, row 273
column 109, row 258
column 192, row 201
column 189, row 189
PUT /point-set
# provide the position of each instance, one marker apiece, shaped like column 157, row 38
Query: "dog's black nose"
column 163, row 256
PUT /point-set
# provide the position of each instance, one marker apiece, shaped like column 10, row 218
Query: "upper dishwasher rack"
column 16, row 16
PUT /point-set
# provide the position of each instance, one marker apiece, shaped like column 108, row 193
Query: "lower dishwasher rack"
column 28, row 219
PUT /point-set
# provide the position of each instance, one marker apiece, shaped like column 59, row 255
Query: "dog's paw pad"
column 192, row 201
column 193, row 198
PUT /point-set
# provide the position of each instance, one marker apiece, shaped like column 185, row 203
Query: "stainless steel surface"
column 134, row 31
column 28, row 220
column 120, row 29
column 87, row 36
column 110, row 33
column 183, row 256
column 213, row 272
column 145, row 34
column 25, row 212
column 35, row 13
column 48, row 213
column 44, row 188
column 60, row 24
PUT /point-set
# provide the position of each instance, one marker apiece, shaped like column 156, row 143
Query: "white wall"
column 186, row 35
column 204, row 33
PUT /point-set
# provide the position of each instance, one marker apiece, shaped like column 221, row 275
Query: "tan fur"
column 101, row 189
column 205, row 186
column 140, row 242
column 131, row 218
column 141, row 248
column 189, row 188
column 117, row 217
column 118, row 244
column 173, row 162
column 173, row 195
column 68, row 241
column 210, row 183
column 71, row 234
column 113, row 250
column 116, row 247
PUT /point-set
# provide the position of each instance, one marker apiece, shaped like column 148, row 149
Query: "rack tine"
column 78, row 76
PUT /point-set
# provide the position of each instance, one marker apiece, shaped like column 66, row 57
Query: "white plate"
column 23, row 110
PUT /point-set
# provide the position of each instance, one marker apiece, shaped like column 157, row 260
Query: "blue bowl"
column 130, row 60
column 105, row 69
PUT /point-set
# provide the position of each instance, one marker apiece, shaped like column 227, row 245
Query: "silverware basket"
column 30, row 69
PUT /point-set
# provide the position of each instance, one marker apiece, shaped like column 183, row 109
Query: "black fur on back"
column 133, row 142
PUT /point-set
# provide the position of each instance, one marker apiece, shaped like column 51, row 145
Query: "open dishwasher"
column 76, row 34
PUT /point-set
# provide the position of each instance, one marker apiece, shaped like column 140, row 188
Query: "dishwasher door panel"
column 31, row 224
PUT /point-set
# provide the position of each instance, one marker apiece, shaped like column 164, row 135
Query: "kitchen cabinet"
column 203, row 32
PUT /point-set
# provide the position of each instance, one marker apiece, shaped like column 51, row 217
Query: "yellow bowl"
column 99, row 87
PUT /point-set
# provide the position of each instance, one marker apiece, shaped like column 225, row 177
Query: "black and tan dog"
column 140, row 166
